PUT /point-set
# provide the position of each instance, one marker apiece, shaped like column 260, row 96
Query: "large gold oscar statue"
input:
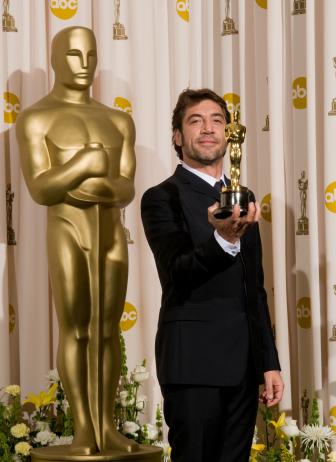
column 78, row 159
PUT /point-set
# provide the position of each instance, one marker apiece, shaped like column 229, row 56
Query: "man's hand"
column 232, row 228
column 274, row 388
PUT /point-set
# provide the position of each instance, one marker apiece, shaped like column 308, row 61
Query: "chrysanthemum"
column 20, row 430
column 22, row 448
column 13, row 390
column 316, row 436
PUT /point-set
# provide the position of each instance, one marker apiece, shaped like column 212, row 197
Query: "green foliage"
column 315, row 413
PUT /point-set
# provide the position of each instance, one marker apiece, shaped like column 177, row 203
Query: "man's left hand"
column 274, row 388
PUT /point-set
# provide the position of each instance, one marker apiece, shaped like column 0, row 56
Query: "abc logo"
column 232, row 101
column 262, row 3
column 303, row 312
column 11, row 317
column 129, row 317
column 123, row 104
column 300, row 93
column 11, row 107
column 330, row 197
column 64, row 9
column 332, row 415
column 266, row 208
column 182, row 8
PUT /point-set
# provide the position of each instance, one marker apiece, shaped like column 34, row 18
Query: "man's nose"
column 207, row 126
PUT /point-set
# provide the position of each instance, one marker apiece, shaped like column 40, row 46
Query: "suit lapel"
column 195, row 183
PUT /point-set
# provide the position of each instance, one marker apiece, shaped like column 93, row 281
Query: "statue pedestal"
column 61, row 454
column 303, row 227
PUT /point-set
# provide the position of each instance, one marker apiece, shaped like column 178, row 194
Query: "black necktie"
column 218, row 185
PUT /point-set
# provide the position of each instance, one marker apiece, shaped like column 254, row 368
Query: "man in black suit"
column 214, row 343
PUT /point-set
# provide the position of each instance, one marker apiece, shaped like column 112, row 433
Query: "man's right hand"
column 232, row 228
column 94, row 161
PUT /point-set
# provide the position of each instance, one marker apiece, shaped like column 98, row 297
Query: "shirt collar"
column 204, row 176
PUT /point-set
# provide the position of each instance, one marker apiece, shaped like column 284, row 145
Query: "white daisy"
column 316, row 436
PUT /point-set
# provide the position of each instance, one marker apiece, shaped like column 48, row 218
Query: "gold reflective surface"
column 78, row 159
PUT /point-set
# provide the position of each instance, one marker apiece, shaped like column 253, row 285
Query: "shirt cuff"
column 232, row 249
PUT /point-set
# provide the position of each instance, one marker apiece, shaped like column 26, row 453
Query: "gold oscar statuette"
column 229, row 27
column 266, row 128
column 299, row 7
column 119, row 32
column 332, row 112
column 303, row 222
column 8, row 21
column 78, row 159
column 9, row 209
column 235, row 193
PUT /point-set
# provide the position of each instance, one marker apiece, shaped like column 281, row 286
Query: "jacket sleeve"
column 183, row 263
column 271, row 360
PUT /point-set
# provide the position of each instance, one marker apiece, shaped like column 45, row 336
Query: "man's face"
column 202, row 138
column 75, row 59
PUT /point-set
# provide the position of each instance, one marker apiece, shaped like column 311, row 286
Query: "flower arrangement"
column 49, row 421
column 283, row 441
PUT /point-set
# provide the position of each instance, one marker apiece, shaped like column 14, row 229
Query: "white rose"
column 151, row 431
column 140, row 374
column 125, row 399
column 44, row 437
column 13, row 390
column 290, row 429
column 141, row 402
column 130, row 427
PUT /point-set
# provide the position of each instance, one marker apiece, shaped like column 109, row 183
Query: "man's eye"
column 218, row 121
column 194, row 121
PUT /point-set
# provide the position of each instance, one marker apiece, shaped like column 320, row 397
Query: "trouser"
column 211, row 424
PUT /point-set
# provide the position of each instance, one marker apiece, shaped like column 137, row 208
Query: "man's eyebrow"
column 215, row 114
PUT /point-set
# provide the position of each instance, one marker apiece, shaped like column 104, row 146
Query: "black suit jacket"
column 214, row 311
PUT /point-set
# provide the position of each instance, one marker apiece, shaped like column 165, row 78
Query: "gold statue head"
column 74, row 57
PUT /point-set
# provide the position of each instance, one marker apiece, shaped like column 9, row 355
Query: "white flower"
column 316, row 436
column 53, row 376
column 61, row 440
column 125, row 399
column 332, row 456
column 151, row 431
column 22, row 448
column 13, row 390
column 304, row 460
column 130, row 427
column 141, row 402
column 290, row 429
column 140, row 374
column 65, row 405
column 44, row 437
column 19, row 430
column 41, row 426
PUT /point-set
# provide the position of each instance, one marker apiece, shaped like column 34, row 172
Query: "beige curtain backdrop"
column 279, row 70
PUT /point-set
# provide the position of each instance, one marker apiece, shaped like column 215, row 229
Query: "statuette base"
column 303, row 226
column 229, row 27
column 8, row 23
column 119, row 32
column 333, row 108
column 61, row 454
column 229, row 198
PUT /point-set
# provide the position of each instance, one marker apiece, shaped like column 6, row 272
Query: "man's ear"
column 178, row 137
